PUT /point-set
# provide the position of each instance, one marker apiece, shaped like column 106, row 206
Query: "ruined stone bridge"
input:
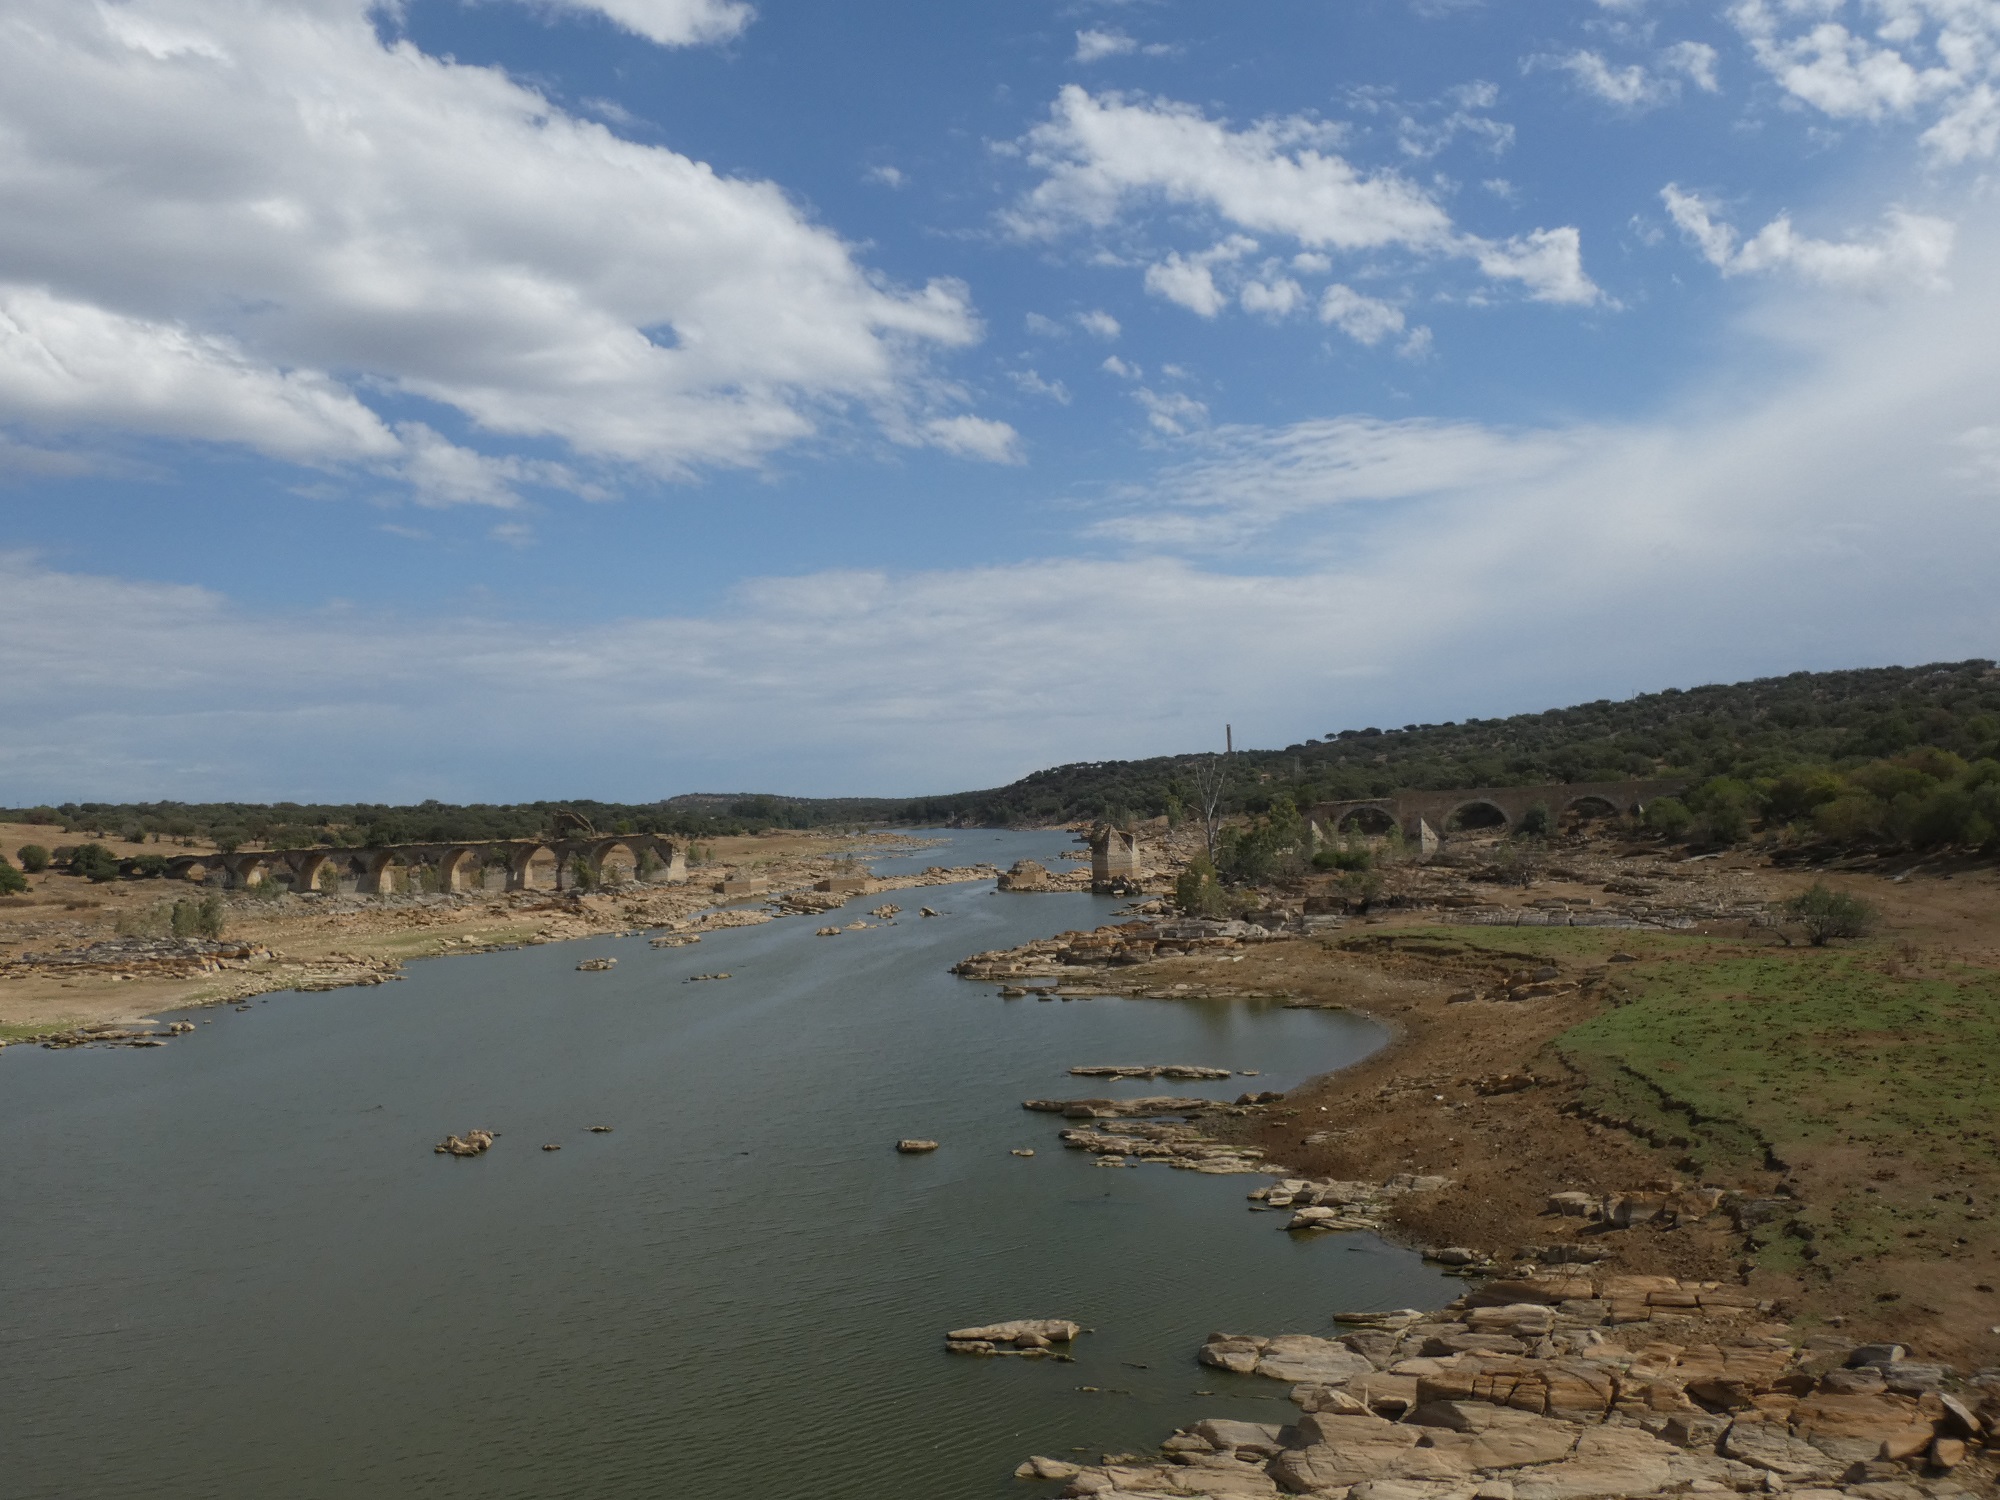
column 473, row 865
column 1489, row 806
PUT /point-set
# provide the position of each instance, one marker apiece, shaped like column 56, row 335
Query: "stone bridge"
column 475, row 865
column 1489, row 806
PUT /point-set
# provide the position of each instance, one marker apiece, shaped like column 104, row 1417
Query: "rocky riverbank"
column 1567, row 1387
column 1638, row 1325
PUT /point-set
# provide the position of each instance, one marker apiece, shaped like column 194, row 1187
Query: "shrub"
column 1345, row 857
column 1798, row 794
column 94, row 863
column 1947, row 816
column 1826, row 914
column 150, row 866
column 1536, row 823
column 1362, row 888
column 1852, row 818
column 201, row 918
column 12, row 881
column 1668, row 817
column 1199, row 892
column 34, row 858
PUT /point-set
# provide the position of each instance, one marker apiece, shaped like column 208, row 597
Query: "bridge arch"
column 533, row 867
column 1474, row 814
column 613, row 863
column 383, row 873
column 246, row 871
column 306, row 871
column 1589, row 807
column 1366, row 820
column 459, row 870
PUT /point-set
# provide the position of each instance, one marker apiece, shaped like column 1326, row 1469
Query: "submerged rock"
column 915, row 1146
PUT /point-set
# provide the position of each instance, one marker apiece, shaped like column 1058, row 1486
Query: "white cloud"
column 1882, row 59
column 1278, row 297
column 1102, row 153
column 1838, row 515
column 1909, row 250
column 1696, row 62
column 65, row 363
column 1238, row 482
column 1548, row 262
column 1171, row 412
column 1630, row 87
column 671, row 23
column 267, row 199
column 1190, row 279
column 975, row 437
column 887, row 176
column 1032, row 384
column 1094, row 46
column 1106, row 157
column 1423, row 134
column 1366, row 320
column 1099, row 322
column 1113, row 365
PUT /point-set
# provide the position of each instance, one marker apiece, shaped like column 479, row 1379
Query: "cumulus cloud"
column 975, row 437
column 1366, row 320
column 1909, row 249
column 671, row 23
column 1400, row 570
column 1107, row 158
column 240, row 220
column 1937, row 60
column 1190, row 279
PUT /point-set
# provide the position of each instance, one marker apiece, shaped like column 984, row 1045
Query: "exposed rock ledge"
column 1574, row 1388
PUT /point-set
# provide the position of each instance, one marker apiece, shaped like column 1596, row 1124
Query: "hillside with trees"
column 1887, row 755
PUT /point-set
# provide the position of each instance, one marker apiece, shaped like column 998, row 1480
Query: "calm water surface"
column 233, row 1267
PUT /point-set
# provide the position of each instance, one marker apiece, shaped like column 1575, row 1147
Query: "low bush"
column 1825, row 914
column 94, row 863
column 34, row 858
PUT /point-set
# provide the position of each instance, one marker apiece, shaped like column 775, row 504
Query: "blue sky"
column 622, row 397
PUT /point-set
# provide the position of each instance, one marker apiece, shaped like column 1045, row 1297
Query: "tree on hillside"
column 12, row 881
column 34, row 858
column 1825, row 914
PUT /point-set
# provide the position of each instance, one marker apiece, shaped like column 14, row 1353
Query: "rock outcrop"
column 1570, row 1387
column 472, row 1143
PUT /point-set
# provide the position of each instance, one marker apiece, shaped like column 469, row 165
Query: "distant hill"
column 1746, row 730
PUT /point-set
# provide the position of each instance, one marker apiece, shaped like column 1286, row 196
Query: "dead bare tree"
column 1209, row 778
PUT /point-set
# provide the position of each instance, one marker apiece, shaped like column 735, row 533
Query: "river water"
column 233, row 1267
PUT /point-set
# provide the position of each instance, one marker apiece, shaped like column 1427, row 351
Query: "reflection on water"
column 234, row 1267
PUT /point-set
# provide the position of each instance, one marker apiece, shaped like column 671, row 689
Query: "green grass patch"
column 1778, row 1057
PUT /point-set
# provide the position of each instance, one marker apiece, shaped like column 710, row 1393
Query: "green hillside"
column 1869, row 753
